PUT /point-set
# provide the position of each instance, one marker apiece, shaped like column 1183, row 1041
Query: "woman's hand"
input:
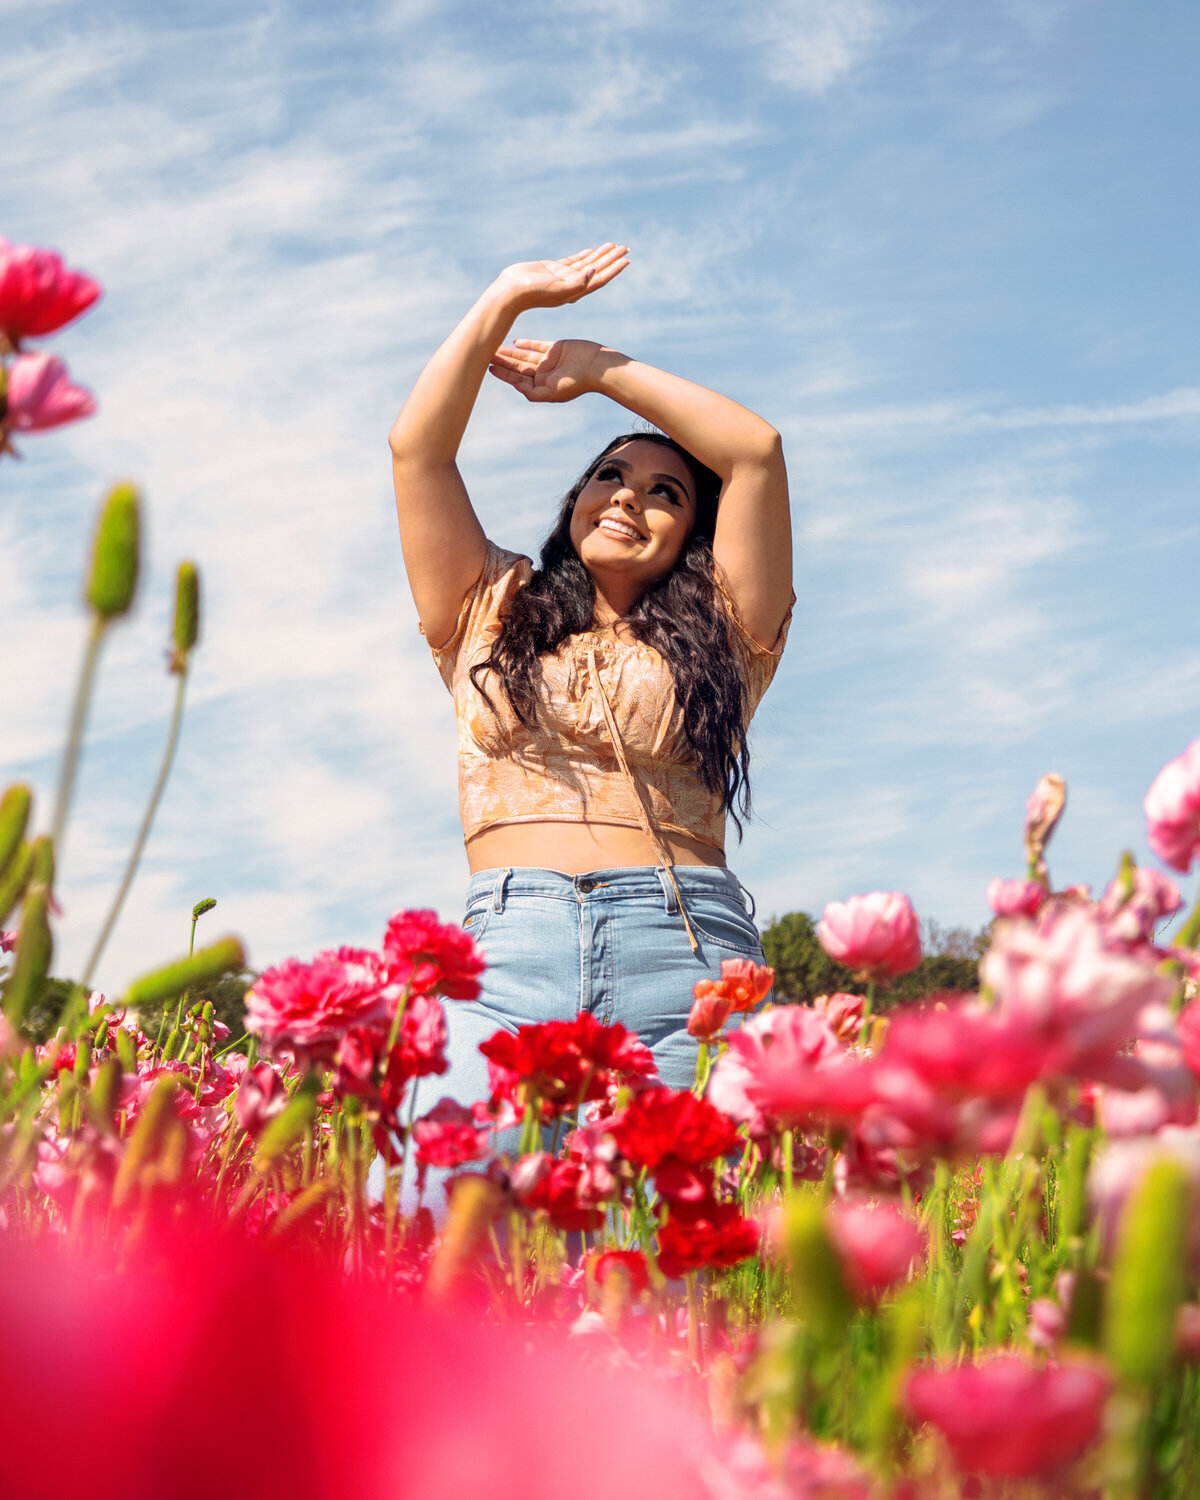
column 542, row 371
column 553, row 283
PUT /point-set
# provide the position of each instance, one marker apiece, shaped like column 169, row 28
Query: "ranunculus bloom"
column 261, row 1095
column 747, row 983
column 1173, row 810
column 1042, row 812
column 1188, row 1027
column 962, row 1049
column 1016, row 898
column 877, row 1246
column 799, row 1073
column 38, row 294
column 573, row 1194
column 1008, row 1417
column 420, row 1046
column 564, row 1062
column 632, row 1262
column 40, row 395
column 432, row 956
column 877, row 934
column 305, row 1009
column 449, row 1135
column 662, row 1123
column 712, row 1005
column 720, row 1237
column 735, row 1085
column 1062, row 979
column 842, row 1013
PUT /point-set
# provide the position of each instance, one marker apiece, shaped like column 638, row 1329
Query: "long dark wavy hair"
column 678, row 616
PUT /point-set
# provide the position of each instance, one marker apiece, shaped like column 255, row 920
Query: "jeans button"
column 587, row 885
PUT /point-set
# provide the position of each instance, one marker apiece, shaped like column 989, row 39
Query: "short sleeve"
column 479, row 618
column 758, row 662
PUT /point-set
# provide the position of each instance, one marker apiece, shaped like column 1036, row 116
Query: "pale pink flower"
column 1016, row 898
column 1042, row 812
column 805, row 1470
column 1173, row 810
column 1132, row 911
column 8, row 940
column 38, row 294
column 305, row 1009
column 1047, row 1323
column 786, row 1066
column 262, row 1094
column 877, row 1246
column 1119, row 1166
column 40, row 394
column 842, row 1012
column 876, row 934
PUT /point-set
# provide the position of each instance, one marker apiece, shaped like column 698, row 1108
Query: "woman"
column 603, row 697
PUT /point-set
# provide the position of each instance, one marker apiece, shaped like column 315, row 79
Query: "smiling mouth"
column 619, row 528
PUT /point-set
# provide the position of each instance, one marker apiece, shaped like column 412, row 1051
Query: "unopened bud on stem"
column 186, row 628
column 112, row 578
column 14, row 818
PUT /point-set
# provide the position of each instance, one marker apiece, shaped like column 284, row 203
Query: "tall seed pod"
column 185, row 630
column 1148, row 1273
column 214, row 962
column 35, row 948
column 14, row 819
column 14, row 880
column 116, row 554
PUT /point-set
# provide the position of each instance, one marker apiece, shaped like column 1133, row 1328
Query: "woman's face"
column 634, row 516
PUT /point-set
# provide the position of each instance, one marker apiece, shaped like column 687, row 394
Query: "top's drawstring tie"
column 642, row 811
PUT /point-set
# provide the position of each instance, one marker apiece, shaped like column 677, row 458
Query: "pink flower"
column 1188, row 1027
column 799, row 1072
column 573, row 1194
column 1131, row 910
column 877, row 1246
column 1173, row 810
column 449, row 1135
column 963, row 1050
column 40, row 394
column 1042, row 812
column 38, row 294
column 261, row 1095
column 420, row 1048
column 8, row 941
column 1047, row 1323
column 1016, row 898
column 875, row 934
column 1007, row 1417
column 843, row 1014
column 432, row 956
column 306, row 1009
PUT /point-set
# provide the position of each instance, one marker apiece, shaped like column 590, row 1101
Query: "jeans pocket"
column 477, row 918
column 725, row 924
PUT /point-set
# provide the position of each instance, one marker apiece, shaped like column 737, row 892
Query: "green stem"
column 143, row 834
column 83, row 692
column 864, row 1031
column 1190, row 932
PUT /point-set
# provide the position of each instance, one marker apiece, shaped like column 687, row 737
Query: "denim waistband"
column 623, row 883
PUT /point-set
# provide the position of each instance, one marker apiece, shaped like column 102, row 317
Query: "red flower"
column 573, row 1194
column 747, row 983
column 1008, row 1417
column 877, row 1246
column 261, row 1095
column 662, row 1123
column 449, row 1135
column 632, row 1262
column 719, row 1237
column 563, row 1062
column 875, row 934
column 432, row 956
column 306, row 1009
column 688, row 1190
column 38, row 294
column 41, row 396
column 712, row 1005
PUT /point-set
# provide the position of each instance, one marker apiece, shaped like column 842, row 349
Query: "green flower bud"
column 126, row 1050
column 143, row 1142
column 101, row 1100
column 202, row 906
column 14, row 817
column 35, row 947
column 187, row 615
column 14, row 879
column 818, row 1285
column 221, row 958
column 41, row 871
column 1148, row 1271
column 288, row 1127
column 112, row 580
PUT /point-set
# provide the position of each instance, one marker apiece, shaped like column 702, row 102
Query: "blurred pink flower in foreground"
column 1016, row 898
column 1132, row 909
column 876, row 934
column 1007, row 1417
column 451, row 1134
column 843, row 1013
column 877, row 1246
column 38, row 294
column 40, row 395
column 1173, row 810
column 305, row 1009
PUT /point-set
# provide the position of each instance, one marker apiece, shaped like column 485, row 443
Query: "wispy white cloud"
column 811, row 45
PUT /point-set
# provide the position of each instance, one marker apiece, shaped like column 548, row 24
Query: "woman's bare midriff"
column 576, row 848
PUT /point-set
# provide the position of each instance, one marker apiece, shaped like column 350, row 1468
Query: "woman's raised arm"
column 443, row 542
column 753, row 538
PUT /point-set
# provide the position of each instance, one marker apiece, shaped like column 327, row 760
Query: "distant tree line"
column 803, row 970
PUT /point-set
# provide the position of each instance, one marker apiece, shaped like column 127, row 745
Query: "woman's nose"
column 627, row 498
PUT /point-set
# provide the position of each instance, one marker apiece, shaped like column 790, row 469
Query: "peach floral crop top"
column 611, row 746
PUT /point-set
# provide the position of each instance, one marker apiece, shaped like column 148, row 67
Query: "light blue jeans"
column 611, row 942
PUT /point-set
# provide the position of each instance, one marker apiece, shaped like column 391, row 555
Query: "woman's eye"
column 669, row 493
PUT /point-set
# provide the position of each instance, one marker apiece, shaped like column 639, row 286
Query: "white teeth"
column 619, row 530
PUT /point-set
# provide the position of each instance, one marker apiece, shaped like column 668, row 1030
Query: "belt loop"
column 672, row 906
column 498, row 890
column 748, row 901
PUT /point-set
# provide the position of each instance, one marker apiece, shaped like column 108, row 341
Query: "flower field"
column 949, row 1249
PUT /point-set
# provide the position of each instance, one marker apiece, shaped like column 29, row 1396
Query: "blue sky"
column 947, row 250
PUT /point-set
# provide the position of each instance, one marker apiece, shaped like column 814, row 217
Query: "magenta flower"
column 261, row 1095
column 876, row 934
column 1007, row 1417
column 877, row 1246
column 40, row 395
column 38, row 294
column 1173, row 810
column 305, row 1009
column 1016, row 898
column 449, row 1135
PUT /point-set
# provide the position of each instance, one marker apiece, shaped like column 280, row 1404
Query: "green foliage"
column 803, row 970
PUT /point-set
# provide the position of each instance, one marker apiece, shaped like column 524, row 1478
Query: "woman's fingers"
column 523, row 383
column 543, row 346
column 514, row 359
